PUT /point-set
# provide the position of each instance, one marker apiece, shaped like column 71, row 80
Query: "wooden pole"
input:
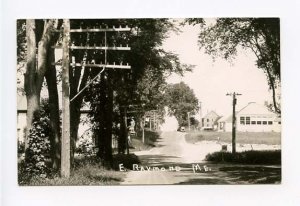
column 126, row 129
column 143, row 135
column 233, row 125
column 189, row 121
column 233, row 120
column 154, row 121
column 65, row 143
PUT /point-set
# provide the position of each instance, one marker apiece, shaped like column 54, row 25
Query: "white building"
column 210, row 121
column 21, row 118
column 252, row 118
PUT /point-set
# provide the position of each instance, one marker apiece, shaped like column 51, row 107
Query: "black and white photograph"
column 181, row 102
column 148, row 101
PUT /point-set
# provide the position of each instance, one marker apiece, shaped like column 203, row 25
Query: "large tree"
column 225, row 36
column 142, row 85
column 39, row 56
column 181, row 100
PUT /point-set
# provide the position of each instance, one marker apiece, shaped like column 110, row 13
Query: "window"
column 242, row 120
column 253, row 122
column 258, row 122
column 207, row 120
column 279, row 122
column 264, row 122
column 270, row 122
column 247, row 120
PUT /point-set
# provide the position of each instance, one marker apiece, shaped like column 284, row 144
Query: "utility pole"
column 234, row 101
column 189, row 121
column 200, row 110
column 126, row 129
column 143, row 135
column 65, row 142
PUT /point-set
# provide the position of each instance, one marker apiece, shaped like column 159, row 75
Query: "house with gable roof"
column 210, row 121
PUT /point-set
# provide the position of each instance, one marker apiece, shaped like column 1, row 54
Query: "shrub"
column 34, row 164
column 85, row 145
column 247, row 157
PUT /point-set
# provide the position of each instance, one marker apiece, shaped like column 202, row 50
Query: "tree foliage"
column 181, row 100
column 35, row 164
column 142, row 85
column 261, row 35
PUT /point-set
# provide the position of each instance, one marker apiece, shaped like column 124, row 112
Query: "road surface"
column 174, row 161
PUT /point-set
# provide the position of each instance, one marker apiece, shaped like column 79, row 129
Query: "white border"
column 288, row 193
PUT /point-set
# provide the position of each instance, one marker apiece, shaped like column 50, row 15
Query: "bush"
column 151, row 137
column 126, row 160
column 247, row 157
column 34, row 164
column 85, row 145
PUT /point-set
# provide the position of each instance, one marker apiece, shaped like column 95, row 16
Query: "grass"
column 87, row 171
column 150, row 140
column 87, row 175
column 268, row 138
column 247, row 157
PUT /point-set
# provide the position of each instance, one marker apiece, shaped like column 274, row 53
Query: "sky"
column 212, row 80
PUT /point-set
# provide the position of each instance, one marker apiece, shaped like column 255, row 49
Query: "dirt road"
column 174, row 161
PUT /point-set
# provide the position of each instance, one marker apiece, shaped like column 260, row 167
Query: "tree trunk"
column 33, row 105
column 55, row 139
column 122, row 134
column 109, row 121
column 33, row 98
column 101, row 134
column 272, row 86
column 75, row 105
column 75, row 121
column 34, row 76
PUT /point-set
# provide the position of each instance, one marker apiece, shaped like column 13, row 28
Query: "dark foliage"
column 126, row 160
column 36, row 163
column 247, row 157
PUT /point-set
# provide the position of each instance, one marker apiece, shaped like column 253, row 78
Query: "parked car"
column 182, row 129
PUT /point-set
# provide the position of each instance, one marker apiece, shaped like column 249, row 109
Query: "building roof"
column 254, row 108
column 211, row 114
column 225, row 119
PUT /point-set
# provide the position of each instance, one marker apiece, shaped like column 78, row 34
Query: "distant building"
column 21, row 118
column 252, row 118
column 225, row 124
column 210, row 121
